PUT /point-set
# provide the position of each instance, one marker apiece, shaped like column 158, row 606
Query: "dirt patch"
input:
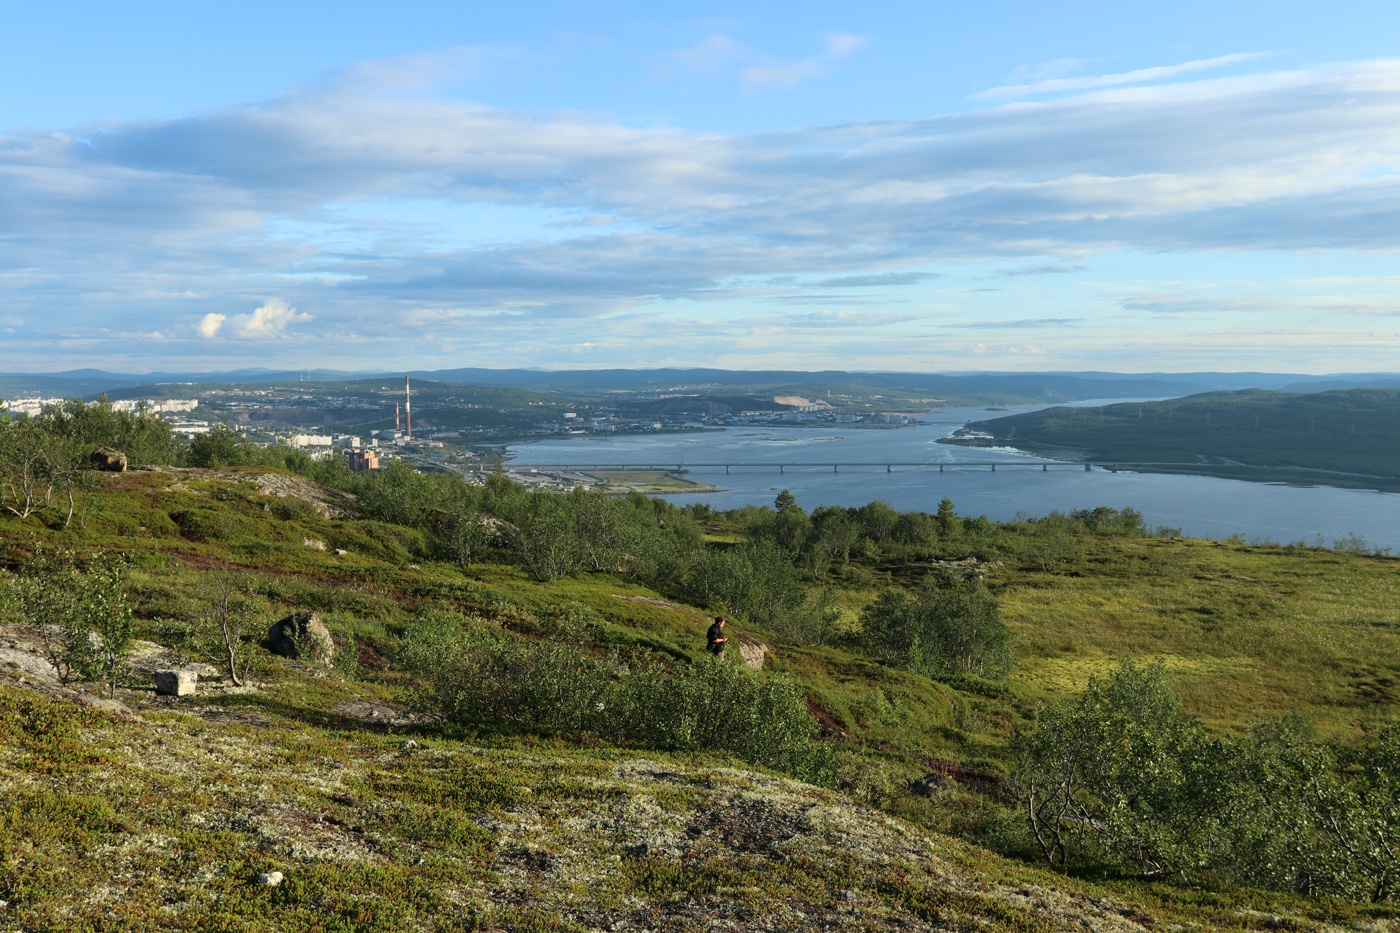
column 826, row 720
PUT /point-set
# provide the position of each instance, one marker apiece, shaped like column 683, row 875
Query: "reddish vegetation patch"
column 370, row 654
column 828, row 722
column 984, row 782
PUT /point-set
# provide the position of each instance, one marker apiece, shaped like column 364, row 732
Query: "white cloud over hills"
column 335, row 197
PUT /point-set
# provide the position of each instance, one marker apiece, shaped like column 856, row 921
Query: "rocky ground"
column 149, row 812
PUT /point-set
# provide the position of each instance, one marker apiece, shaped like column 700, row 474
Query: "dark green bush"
column 940, row 630
column 1124, row 776
column 475, row 674
column 205, row 524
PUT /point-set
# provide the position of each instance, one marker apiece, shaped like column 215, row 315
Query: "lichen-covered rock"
column 751, row 650
column 301, row 635
column 108, row 460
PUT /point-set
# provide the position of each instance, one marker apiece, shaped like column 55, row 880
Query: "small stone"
column 176, row 683
column 270, row 879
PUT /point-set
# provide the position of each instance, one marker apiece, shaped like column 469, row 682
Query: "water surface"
column 1201, row 506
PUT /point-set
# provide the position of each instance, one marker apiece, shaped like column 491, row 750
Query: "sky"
column 919, row 186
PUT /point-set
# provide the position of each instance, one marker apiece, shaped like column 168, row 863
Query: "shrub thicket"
column 940, row 630
column 478, row 675
column 1125, row 777
column 82, row 614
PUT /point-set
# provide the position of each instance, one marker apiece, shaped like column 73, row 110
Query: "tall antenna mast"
column 408, row 407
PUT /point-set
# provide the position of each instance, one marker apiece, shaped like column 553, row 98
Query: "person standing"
column 715, row 638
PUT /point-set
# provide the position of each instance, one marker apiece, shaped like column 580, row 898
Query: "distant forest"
column 1342, row 438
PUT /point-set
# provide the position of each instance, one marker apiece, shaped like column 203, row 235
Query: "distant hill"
column 955, row 388
column 1345, row 437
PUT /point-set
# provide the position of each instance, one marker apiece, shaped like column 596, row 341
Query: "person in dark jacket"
column 715, row 639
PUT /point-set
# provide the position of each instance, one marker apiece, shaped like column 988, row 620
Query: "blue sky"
column 898, row 186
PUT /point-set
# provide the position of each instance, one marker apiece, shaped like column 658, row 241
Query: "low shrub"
column 205, row 525
column 473, row 673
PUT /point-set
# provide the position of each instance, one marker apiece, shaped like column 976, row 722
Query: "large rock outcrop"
column 751, row 649
column 108, row 460
column 301, row 635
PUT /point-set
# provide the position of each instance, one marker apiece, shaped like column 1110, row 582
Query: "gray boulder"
column 751, row 650
column 931, row 785
column 176, row 683
column 301, row 635
column 108, row 460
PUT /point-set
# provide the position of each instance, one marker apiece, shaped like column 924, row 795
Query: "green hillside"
column 1342, row 438
column 514, row 724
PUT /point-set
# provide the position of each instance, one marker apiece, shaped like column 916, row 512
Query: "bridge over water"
column 834, row 466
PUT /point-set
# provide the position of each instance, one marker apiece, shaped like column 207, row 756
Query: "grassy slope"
column 109, row 824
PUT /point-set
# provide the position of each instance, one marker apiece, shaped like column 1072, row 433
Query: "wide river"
column 1201, row 506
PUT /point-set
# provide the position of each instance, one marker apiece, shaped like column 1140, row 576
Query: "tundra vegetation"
column 1003, row 726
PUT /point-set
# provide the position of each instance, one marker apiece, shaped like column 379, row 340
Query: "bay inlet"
column 818, row 465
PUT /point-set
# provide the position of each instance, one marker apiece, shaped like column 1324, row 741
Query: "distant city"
column 459, row 432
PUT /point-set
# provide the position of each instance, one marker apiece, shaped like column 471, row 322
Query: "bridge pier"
column 994, row 467
column 726, row 468
column 1088, row 468
column 1045, row 468
column 940, row 468
column 889, row 468
column 781, row 468
column 835, row 468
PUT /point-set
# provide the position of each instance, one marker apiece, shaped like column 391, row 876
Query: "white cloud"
column 209, row 325
column 1049, row 79
column 791, row 73
column 269, row 321
column 237, row 200
column 266, row 322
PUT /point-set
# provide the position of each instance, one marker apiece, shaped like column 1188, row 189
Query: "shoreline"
column 1246, row 472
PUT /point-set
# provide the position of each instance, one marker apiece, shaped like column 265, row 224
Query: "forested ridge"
column 1345, row 437
column 1078, row 693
